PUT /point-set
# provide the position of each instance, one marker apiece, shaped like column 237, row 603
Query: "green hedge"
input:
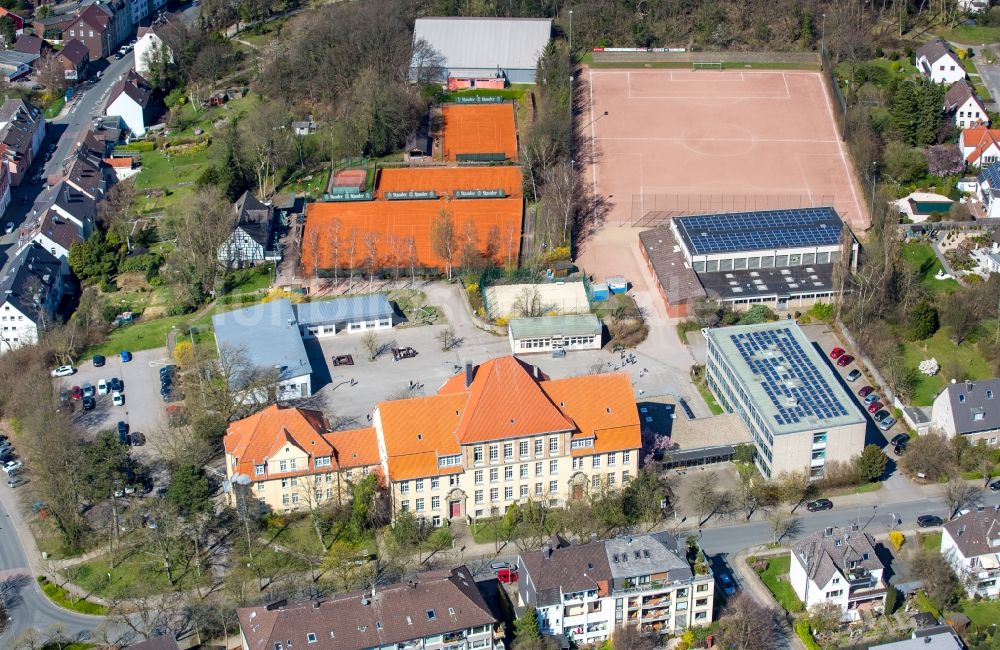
column 64, row 599
column 137, row 263
column 140, row 145
column 805, row 635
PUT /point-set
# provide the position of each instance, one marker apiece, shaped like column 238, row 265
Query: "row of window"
column 418, row 485
column 12, row 318
column 763, row 262
column 290, row 465
column 508, row 450
column 567, row 342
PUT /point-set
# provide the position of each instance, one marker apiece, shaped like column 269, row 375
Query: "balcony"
column 868, row 590
column 631, row 588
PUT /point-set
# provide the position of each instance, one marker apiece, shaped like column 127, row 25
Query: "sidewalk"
column 755, row 588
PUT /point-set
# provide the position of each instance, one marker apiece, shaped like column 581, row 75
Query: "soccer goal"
column 706, row 65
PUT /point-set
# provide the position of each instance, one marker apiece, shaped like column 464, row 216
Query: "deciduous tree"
column 443, row 238
column 748, row 625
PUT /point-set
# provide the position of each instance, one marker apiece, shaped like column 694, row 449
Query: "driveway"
column 144, row 409
column 990, row 74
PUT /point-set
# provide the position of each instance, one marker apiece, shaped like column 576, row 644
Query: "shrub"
column 139, row 145
column 891, row 600
column 802, row 631
column 822, row 310
column 897, row 538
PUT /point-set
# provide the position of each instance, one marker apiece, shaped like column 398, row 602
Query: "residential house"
column 31, row 288
column 584, row 592
column 252, row 240
column 971, row 543
column 70, row 203
column 123, row 166
column 52, row 27
column 987, row 190
column 438, row 610
column 295, row 460
column 54, row 233
column 14, row 64
column 14, row 18
column 85, row 173
column 131, row 100
column 799, row 415
column 502, row 433
column 938, row 637
column 74, row 57
column 965, row 107
column 840, row 566
column 304, row 127
column 349, row 314
column 980, row 146
column 937, row 62
column 101, row 26
column 22, row 130
column 31, row 44
column 970, row 409
column 149, row 46
column 972, row 6
column 4, row 188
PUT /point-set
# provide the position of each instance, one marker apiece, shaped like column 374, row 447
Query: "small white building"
column 937, row 62
column 971, row 543
column 838, row 565
column 31, row 288
column 352, row 315
column 130, row 100
column 970, row 409
column 149, row 46
column 547, row 333
column 965, row 107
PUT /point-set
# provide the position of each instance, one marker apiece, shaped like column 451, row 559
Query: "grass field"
column 138, row 573
column 974, row 35
column 53, row 109
column 175, row 175
column 775, row 577
column 64, row 599
column 942, row 348
column 983, row 612
column 930, row 541
column 709, row 398
column 922, row 258
column 144, row 335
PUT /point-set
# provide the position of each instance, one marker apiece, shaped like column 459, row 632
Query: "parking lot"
column 143, row 409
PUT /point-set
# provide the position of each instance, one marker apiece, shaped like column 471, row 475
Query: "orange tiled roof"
column 506, row 400
column 331, row 226
column 981, row 138
column 478, row 128
column 254, row 439
column 119, row 162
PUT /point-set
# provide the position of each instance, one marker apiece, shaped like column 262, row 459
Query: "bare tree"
column 116, row 209
column 447, row 338
column 470, row 254
column 781, row 525
column 410, row 255
column 371, row 344
column 958, row 494
column 561, row 192
column 749, row 625
column 443, row 239
column 200, row 227
column 265, row 141
column 371, row 256
column 352, row 249
column 705, row 498
column 310, row 491
column 796, row 488
column 51, row 74
column 528, row 303
column 428, row 64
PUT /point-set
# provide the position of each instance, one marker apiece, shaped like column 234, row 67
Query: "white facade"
column 326, row 330
column 970, row 114
column 148, row 46
column 16, row 329
column 130, row 112
column 528, row 345
column 947, row 69
column 241, row 249
column 840, row 589
column 978, row 573
column 57, row 249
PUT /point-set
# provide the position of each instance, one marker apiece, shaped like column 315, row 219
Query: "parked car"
column 507, row 576
column 727, row 583
column 99, row 361
column 899, row 450
column 123, row 431
column 845, row 360
column 836, row 353
column 102, row 387
column 878, row 416
column 63, row 371
column 819, row 504
column 118, row 398
column 887, row 423
column 995, row 486
column 89, row 403
column 496, row 567
column 865, row 391
column 854, row 375
column 900, row 439
column 126, row 356
column 118, row 55
column 173, row 397
column 88, row 389
column 76, row 392
column 12, row 465
column 116, row 384
column 925, row 521
column 875, row 407
column 871, row 397
column 16, row 482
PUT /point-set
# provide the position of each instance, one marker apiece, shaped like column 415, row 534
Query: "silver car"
column 887, row 423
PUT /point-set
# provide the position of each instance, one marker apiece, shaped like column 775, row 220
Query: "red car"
column 866, row 391
column 76, row 392
column 507, row 576
column 845, row 360
column 836, row 353
column 875, row 406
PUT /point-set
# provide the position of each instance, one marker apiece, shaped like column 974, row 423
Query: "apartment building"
column 971, row 544
column 840, row 566
column 442, row 610
column 798, row 415
column 291, row 459
column 583, row 592
column 501, row 433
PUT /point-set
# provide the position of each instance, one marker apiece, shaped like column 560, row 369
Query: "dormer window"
column 323, row 461
column 431, row 615
column 311, row 637
column 961, row 398
column 258, row 470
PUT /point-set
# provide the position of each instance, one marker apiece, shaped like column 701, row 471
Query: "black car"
column 995, row 486
column 98, row 361
column 122, row 432
column 166, row 388
column 899, row 449
column 116, row 384
column 89, row 403
column 819, row 504
column 899, row 439
column 168, row 371
column 925, row 521
column 138, row 439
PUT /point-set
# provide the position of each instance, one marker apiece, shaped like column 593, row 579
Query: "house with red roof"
column 980, row 146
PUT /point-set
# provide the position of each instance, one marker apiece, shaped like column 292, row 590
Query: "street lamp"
column 570, row 35
column 822, row 37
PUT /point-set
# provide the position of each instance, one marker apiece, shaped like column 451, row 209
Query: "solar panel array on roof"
column 991, row 176
column 764, row 230
column 792, row 383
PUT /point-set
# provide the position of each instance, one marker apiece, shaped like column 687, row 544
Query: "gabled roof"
column 935, row 50
column 83, row 172
column 30, row 44
column 975, row 405
column 959, row 93
column 979, row 139
column 823, row 555
column 432, row 603
column 20, row 122
column 75, row 202
column 254, row 218
column 974, row 531
column 134, row 86
column 75, row 52
column 55, row 228
column 96, row 16
column 25, row 282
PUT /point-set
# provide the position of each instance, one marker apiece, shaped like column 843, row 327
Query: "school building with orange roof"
column 485, row 203
column 499, row 433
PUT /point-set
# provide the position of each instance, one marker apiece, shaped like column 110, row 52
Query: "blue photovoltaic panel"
column 787, row 372
column 764, row 230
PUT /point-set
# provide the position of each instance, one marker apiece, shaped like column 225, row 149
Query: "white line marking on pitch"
column 750, row 139
column 593, row 138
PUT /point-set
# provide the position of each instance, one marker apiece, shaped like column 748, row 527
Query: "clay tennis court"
column 478, row 129
column 683, row 141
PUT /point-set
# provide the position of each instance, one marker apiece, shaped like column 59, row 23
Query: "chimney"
column 468, row 374
column 538, row 373
column 316, row 604
column 546, row 550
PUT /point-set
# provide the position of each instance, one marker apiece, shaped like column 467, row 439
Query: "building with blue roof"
column 350, row 314
column 798, row 413
column 988, row 189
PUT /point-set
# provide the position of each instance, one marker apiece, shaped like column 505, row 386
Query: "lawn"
column 414, row 306
column 514, row 92
column 983, row 612
column 930, row 541
column 775, row 577
column 942, row 348
column 709, row 398
column 64, row 599
column 901, row 69
column 857, row 489
column 300, row 536
column 487, row 531
column 175, row 176
column 922, row 258
column 138, row 573
column 144, row 335
column 970, row 34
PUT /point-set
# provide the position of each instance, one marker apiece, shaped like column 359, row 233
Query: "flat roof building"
column 783, row 258
column 546, row 333
column 798, row 415
column 349, row 314
column 479, row 52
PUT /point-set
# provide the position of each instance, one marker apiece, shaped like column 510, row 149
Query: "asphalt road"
column 26, row 606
